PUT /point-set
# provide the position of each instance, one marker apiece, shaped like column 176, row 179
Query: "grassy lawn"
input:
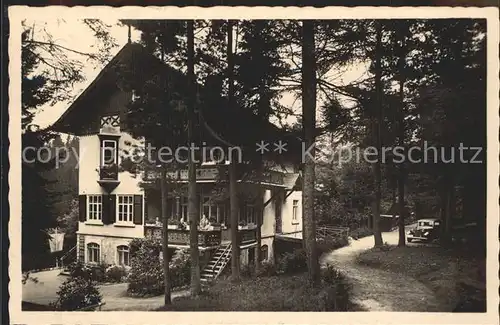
column 458, row 280
column 273, row 293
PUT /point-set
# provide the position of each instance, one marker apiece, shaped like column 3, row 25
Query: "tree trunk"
column 233, row 198
column 309, row 127
column 377, row 134
column 450, row 207
column 263, row 113
column 164, row 217
column 394, row 199
column 193, row 206
column 260, row 218
column 401, row 208
column 401, row 138
column 235, row 248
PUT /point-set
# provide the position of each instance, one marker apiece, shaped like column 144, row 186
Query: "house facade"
column 118, row 205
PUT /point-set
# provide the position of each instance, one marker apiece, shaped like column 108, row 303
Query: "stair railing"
column 223, row 255
column 66, row 255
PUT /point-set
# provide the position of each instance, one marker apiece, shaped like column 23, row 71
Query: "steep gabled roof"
column 227, row 125
column 63, row 124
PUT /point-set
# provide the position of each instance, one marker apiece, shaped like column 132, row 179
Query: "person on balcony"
column 204, row 223
column 184, row 223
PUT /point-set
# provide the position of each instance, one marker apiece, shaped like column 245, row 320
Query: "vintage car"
column 426, row 230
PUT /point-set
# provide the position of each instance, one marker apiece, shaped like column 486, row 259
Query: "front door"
column 278, row 204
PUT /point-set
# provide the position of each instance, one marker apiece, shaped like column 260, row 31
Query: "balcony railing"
column 216, row 173
column 109, row 173
column 247, row 236
column 206, row 238
column 181, row 237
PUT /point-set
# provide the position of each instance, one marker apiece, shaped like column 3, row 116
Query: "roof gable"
column 220, row 122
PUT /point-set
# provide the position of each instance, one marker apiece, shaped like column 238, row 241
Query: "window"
column 184, row 208
column 109, row 154
column 249, row 214
column 214, row 211
column 222, row 214
column 123, row 255
column 295, row 211
column 125, row 208
column 94, row 207
column 93, row 253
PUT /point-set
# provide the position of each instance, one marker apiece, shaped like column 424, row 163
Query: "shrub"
column 180, row 269
column 325, row 246
column 336, row 295
column 77, row 293
column 145, row 277
column 91, row 272
column 247, row 270
column 78, row 269
column 98, row 272
column 146, row 271
column 361, row 232
column 115, row 273
column 267, row 269
column 294, row 262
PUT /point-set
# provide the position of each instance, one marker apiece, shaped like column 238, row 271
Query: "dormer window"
column 110, row 124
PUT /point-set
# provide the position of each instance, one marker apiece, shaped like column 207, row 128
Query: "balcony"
column 108, row 177
column 207, row 239
column 220, row 173
column 247, row 236
column 108, row 173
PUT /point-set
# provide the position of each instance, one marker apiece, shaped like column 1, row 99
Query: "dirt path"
column 378, row 290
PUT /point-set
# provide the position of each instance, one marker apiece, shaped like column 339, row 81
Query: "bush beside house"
column 146, row 273
column 80, row 290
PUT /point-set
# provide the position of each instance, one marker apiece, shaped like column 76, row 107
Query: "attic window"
column 110, row 124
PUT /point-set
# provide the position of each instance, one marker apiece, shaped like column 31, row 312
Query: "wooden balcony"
column 220, row 173
column 108, row 173
column 247, row 236
column 180, row 237
column 206, row 238
column 108, row 177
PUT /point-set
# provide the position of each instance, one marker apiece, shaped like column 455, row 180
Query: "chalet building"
column 118, row 205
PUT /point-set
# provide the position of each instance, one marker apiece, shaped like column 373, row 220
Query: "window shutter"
column 105, row 209
column 138, row 209
column 82, row 205
column 108, row 209
column 112, row 209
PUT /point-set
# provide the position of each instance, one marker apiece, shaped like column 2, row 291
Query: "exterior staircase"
column 67, row 259
column 216, row 265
